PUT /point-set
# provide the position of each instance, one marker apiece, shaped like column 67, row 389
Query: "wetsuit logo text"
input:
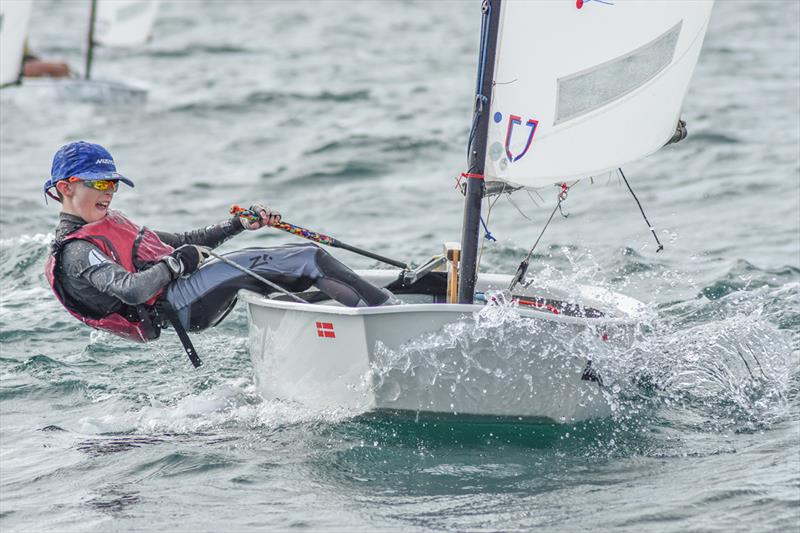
column 259, row 260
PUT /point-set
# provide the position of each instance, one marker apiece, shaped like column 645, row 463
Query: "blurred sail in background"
column 124, row 23
column 14, row 19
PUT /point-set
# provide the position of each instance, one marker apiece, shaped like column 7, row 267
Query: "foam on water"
column 222, row 411
column 731, row 370
column 487, row 356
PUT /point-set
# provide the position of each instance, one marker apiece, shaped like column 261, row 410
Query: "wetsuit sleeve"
column 211, row 236
column 83, row 260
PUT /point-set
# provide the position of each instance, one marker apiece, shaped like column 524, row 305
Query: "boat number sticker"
column 514, row 120
column 325, row 329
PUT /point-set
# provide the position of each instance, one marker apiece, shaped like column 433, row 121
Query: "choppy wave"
column 248, row 102
column 358, row 121
column 714, row 138
column 200, row 48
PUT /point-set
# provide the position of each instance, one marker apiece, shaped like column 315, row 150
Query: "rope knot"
column 564, row 191
column 468, row 175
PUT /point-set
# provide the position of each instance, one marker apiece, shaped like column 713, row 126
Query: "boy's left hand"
column 268, row 217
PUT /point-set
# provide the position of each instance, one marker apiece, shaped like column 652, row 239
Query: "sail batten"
column 579, row 92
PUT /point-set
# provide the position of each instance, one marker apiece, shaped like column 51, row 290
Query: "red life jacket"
column 128, row 245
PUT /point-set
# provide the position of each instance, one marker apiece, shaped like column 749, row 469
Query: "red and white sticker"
column 325, row 329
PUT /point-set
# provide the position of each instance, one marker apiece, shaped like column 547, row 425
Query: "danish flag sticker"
column 325, row 329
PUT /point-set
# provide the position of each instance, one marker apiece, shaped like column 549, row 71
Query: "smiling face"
column 89, row 204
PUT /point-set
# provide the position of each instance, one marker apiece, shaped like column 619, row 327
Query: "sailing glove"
column 268, row 217
column 186, row 259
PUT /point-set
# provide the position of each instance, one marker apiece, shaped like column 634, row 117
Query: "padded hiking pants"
column 205, row 297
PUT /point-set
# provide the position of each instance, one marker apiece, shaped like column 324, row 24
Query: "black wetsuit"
column 203, row 298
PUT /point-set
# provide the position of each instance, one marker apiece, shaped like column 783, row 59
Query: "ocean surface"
column 352, row 119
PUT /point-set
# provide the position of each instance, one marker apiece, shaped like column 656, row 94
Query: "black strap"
column 147, row 315
column 182, row 335
column 649, row 225
column 135, row 250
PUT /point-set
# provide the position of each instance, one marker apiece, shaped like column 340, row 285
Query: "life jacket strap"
column 148, row 316
column 182, row 335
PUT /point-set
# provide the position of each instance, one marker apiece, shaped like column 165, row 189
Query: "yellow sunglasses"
column 99, row 185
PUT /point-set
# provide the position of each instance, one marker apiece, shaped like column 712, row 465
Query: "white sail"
column 583, row 87
column 124, row 23
column 14, row 18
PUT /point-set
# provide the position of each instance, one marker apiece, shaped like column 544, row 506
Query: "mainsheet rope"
column 523, row 266
column 562, row 195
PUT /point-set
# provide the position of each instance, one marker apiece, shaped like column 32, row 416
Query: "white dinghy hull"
column 434, row 357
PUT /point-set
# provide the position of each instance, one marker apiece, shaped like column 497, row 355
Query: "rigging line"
column 487, row 234
column 472, row 130
column 486, row 8
column 535, row 203
column 562, row 195
column 480, row 99
column 650, row 226
column 486, row 224
column 556, row 208
column 522, row 269
column 508, row 197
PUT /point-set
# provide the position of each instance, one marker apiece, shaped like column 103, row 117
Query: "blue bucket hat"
column 83, row 160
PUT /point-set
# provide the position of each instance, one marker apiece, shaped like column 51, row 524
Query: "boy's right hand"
column 189, row 258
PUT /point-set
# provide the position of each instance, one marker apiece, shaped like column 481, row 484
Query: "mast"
column 90, row 47
column 470, row 227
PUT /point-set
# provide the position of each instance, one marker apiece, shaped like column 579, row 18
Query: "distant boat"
column 14, row 19
column 112, row 23
column 565, row 91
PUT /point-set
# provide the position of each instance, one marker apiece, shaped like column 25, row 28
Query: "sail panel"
column 580, row 91
column 124, row 23
column 586, row 91
column 14, row 19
